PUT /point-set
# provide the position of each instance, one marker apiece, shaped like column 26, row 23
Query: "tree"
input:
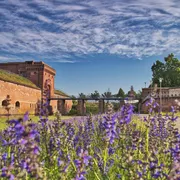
column 82, row 95
column 95, row 95
column 73, row 99
column 138, row 94
column 107, row 94
column 169, row 71
column 120, row 93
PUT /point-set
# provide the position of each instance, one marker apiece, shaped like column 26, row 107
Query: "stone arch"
column 17, row 104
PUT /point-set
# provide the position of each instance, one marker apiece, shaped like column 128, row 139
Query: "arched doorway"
column 4, row 103
column 17, row 104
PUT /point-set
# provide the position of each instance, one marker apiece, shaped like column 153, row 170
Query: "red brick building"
column 168, row 97
column 25, row 83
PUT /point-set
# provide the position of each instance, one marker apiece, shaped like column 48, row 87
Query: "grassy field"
column 34, row 119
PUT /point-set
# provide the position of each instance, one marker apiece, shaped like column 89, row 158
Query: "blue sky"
column 92, row 44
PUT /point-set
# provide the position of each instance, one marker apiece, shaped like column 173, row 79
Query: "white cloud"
column 138, row 28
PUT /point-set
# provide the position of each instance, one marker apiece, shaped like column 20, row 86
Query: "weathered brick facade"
column 36, row 72
column 23, row 98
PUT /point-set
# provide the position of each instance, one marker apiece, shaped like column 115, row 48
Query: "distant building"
column 131, row 93
column 168, row 97
column 24, row 82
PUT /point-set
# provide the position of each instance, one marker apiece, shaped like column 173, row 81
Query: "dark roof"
column 15, row 78
column 59, row 92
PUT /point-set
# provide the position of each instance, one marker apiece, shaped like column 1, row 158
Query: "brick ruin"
column 23, row 97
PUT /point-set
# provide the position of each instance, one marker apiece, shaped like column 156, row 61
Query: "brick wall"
column 68, row 103
column 27, row 97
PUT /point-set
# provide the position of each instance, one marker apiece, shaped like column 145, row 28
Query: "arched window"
column 17, row 104
column 4, row 103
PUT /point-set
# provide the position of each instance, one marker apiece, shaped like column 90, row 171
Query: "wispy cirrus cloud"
column 57, row 29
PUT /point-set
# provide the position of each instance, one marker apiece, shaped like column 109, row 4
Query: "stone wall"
column 26, row 96
column 68, row 103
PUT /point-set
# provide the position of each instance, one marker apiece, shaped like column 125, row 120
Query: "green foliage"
column 73, row 99
column 82, row 95
column 95, row 94
column 73, row 112
column 169, row 71
column 11, row 77
column 115, row 106
column 92, row 108
column 138, row 94
column 59, row 92
column 121, row 93
column 107, row 94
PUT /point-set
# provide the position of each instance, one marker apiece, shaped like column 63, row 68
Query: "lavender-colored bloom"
column 26, row 116
column 156, row 175
column 36, row 150
column 84, row 155
column 172, row 109
column 33, row 134
column 59, row 162
column 110, row 127
column 4, row 156
column 84, row 160
column 126, row 114
column 77, row 163
column 11, row 177
column 111, row 151
column 118, row 176
column 4, row 172
column 23, row 141
column 139, row 174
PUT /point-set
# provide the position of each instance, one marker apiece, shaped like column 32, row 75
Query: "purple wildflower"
column 110, row 127
column 84, row 160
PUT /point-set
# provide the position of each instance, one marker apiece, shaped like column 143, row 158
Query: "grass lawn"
column 34, row 119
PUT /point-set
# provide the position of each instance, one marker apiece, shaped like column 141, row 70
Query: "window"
column 4, row 103
column 17, row 104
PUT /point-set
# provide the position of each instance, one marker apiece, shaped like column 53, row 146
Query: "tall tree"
column 169, row 71
column 138, row 94
column 95, row 94
column 82, row 95
column 107, row 94
column 121, row 93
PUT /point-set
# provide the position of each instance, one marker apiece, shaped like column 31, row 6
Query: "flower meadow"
column 117, row 145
